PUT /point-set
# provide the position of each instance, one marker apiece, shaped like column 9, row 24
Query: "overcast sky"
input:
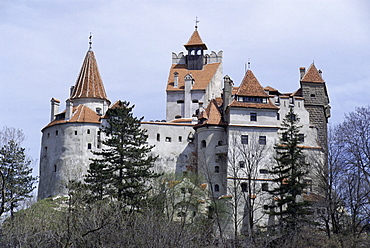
column 43, row 44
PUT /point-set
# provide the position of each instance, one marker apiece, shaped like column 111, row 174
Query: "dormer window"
column 251, row 99
column 98, row 111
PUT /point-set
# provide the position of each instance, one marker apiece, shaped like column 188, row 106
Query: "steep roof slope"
column 312, row 75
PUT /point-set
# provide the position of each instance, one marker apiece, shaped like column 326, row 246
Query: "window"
column 264, row 171
column 244, row 187
column 158, row 137
column 217, row 169
column 265, row 207
column 56, row 132
column 244, row 139
column 48, row 135
column 180, row 101
column 178, row 117
column 313, row 95
column 262, row 140
column 168, row 139
column 219, row 143
column 98, row 111
column 75, row 132
column 253, row 116
column 55, row 168
column 89, row 146
column 45, row 151
column 88, row 131
column 278, row 116
column 180, row 138
column 203, row 144
column 265, row 187
column 241, row 164
column 195, row 101
column 98, row 146
column 99, row 132
column 301, row 137
column 217, row 188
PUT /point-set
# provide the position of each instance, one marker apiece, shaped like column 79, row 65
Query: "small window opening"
column 217, row 188
column 195, row 101
column 98, row 111
column 88, row 131
column 241, row 164
column 48, row 135
column 178, row 117
column 75, row 132
column 45, row 151
column 168, row 139
column 56, row 132
column 278, row 116
column 313, row 95
column 89, row 146
column 203, row 144
column 180, row 138
column 265, row 207
column 219, row 143
column 158, row 137
column 244, row 187
column 217, row 169
column 265, row 186
column 180, row 101
column 264, row 171
column 262, row 140
column 244, row 139
column 55, row 168
column 253, row 116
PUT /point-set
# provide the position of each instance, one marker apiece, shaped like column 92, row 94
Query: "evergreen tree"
column 17, row 183
column 289, row 172
column 123, row 168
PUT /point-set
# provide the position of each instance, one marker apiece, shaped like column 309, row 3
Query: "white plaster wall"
column 214, row 88
column 93, row 104
column 67, row 156
column 173, row 155
column 241, row 116
column 172, row 107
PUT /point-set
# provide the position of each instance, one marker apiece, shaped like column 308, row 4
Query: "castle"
column 224, row 132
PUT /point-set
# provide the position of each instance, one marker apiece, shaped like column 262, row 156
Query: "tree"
column 16, row 180
column 289, row 173
column 123, row 168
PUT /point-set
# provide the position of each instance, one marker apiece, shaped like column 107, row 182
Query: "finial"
column 249, row 63
column 90, row 42
column 196, row 23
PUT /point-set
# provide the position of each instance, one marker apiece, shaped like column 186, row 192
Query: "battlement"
column 210, row 58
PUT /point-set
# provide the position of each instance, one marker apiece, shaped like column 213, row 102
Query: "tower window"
column 168, row 139
column 89, row 146
column 195, row 101
column 253, row 116
column 244, row 187
column 55, row 168
column 75, row 132
column 278, row 116
column 203, row 144
column 265, row 187
column 180, row 101
column 217, row 169
column 262, row 140
column 217, row 188
column 241, row 164
column 88, row 131
column 178, row 117
column 56, row 132
column 244, row 139
column 158, row 137
column 313, row 95
column 180, row 138
column 48, row 135
column 45, row 151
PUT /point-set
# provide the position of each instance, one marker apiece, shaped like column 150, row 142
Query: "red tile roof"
column 81, row 114
column 212, row 115
column 195, row 40
column 312, row 75
column 89, row 83
column 201, row 77
column 250, row 86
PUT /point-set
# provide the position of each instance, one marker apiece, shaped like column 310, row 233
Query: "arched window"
column 217, row 169
column 217, row 188
column 199, row 52
column 203, row 144
column 88, row 131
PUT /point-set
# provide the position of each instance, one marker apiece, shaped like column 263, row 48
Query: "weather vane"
column 90, row 42
column 196, row 23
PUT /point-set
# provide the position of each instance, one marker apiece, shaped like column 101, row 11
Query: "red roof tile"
column 312, row 75
column 89, row 83
column 201, row 77
column 250, row 86
column 195, row 40
column 212, row 115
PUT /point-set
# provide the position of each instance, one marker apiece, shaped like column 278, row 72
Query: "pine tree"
column 123, row 168
column 17, row 183
column 289, row 172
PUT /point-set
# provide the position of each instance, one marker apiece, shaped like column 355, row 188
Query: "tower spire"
column 90, row 42
column 196, row 23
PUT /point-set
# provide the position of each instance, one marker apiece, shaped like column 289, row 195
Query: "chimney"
column 201, row 109
column 320, row 73
column 187, row 99
column 176, row 80
column 54, row 108
column 69, row 108
column 71, row 90
column 302, row 71
column 228, row 85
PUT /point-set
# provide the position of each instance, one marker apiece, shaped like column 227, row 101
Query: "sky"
column 43, row 44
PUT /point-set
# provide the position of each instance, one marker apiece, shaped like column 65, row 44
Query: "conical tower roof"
column 250, row 86
column 195, row 40
column 312, row 75
column 89, row 83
